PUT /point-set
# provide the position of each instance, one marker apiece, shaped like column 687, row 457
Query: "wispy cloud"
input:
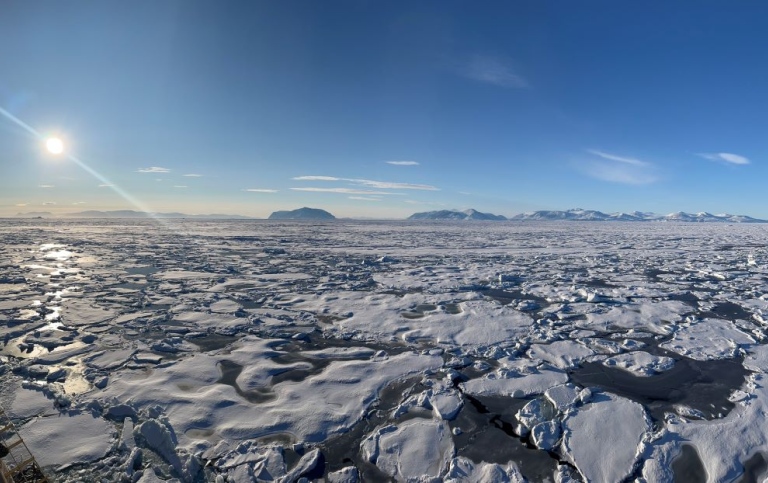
column 154, row 169
column 403, row 163
column 364, row 198
column 619, row 169
column 395, row 186
column 105, row 185
column 22, row 204
column 371, row 183
column 347, row 191
column 46, row 186
column 492, row 70
column 318, row 178
column 193, row 175
column 79, row 203
column 729, row 158
column 620, row 159
column 259, row 190
column 180, row 186
column 48, row 203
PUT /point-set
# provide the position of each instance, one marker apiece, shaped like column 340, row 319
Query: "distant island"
column 302, row 214
column 469, row 214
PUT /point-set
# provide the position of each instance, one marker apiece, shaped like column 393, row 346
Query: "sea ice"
column 63, row 440
column 515, row 385
column 412, row 450
column 464, row 470
column 232, row 340
column 709, row 339
column 640, row 363
column 563, row 354
column 605, row 437
column 656, row 317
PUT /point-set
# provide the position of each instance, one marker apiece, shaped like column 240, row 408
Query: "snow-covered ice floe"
column 374, row 351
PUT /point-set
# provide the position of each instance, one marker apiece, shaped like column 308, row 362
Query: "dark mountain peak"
column 302, row 214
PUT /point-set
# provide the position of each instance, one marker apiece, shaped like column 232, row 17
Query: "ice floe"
column 605, row 437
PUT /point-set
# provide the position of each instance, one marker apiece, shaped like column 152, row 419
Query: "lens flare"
column 58, row 144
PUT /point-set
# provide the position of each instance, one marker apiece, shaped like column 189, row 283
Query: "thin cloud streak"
column 192, row 175
column 493, row 70
column 154, row 169
column 620, row 159
column 395, row 186
column 364, row 198
column 259, row 190
column 318, row 178
column 619, row 169
column 403, row 163
column 371, row 183
column 347, row 191
column 46, row 186
column 620, row 174
column 729, row 158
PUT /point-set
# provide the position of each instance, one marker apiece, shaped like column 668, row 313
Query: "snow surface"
column 415, row 449
column 709, row 339
column 63, row 440
column 640, row 363
column 605, row 437
column 271, row 351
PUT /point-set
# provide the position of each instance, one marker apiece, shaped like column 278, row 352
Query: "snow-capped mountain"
column 579, row 214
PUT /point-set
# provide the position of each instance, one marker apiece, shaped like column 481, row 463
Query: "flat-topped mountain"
column 456, row 215
column 302, row 214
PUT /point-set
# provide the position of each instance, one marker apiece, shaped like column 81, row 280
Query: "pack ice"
column 344, row 351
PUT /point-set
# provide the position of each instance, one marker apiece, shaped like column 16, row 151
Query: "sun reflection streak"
column 124, row 194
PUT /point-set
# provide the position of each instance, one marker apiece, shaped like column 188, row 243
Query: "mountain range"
column 579, row 214
column 305, row 213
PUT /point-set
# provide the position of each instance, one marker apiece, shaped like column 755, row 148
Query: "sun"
column 54, row 145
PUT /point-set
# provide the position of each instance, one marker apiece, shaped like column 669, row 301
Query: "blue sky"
column 384, row 108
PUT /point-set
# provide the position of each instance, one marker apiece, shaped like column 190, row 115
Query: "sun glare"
column 54, row 145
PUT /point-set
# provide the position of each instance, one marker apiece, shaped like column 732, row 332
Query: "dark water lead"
column 687, row 467
column 701, row 385
column 344, row 449
column 487, row 434
column 212, row 342
column 728, row 310
column 229, row 372
column 755, row 469
column 144, row 270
